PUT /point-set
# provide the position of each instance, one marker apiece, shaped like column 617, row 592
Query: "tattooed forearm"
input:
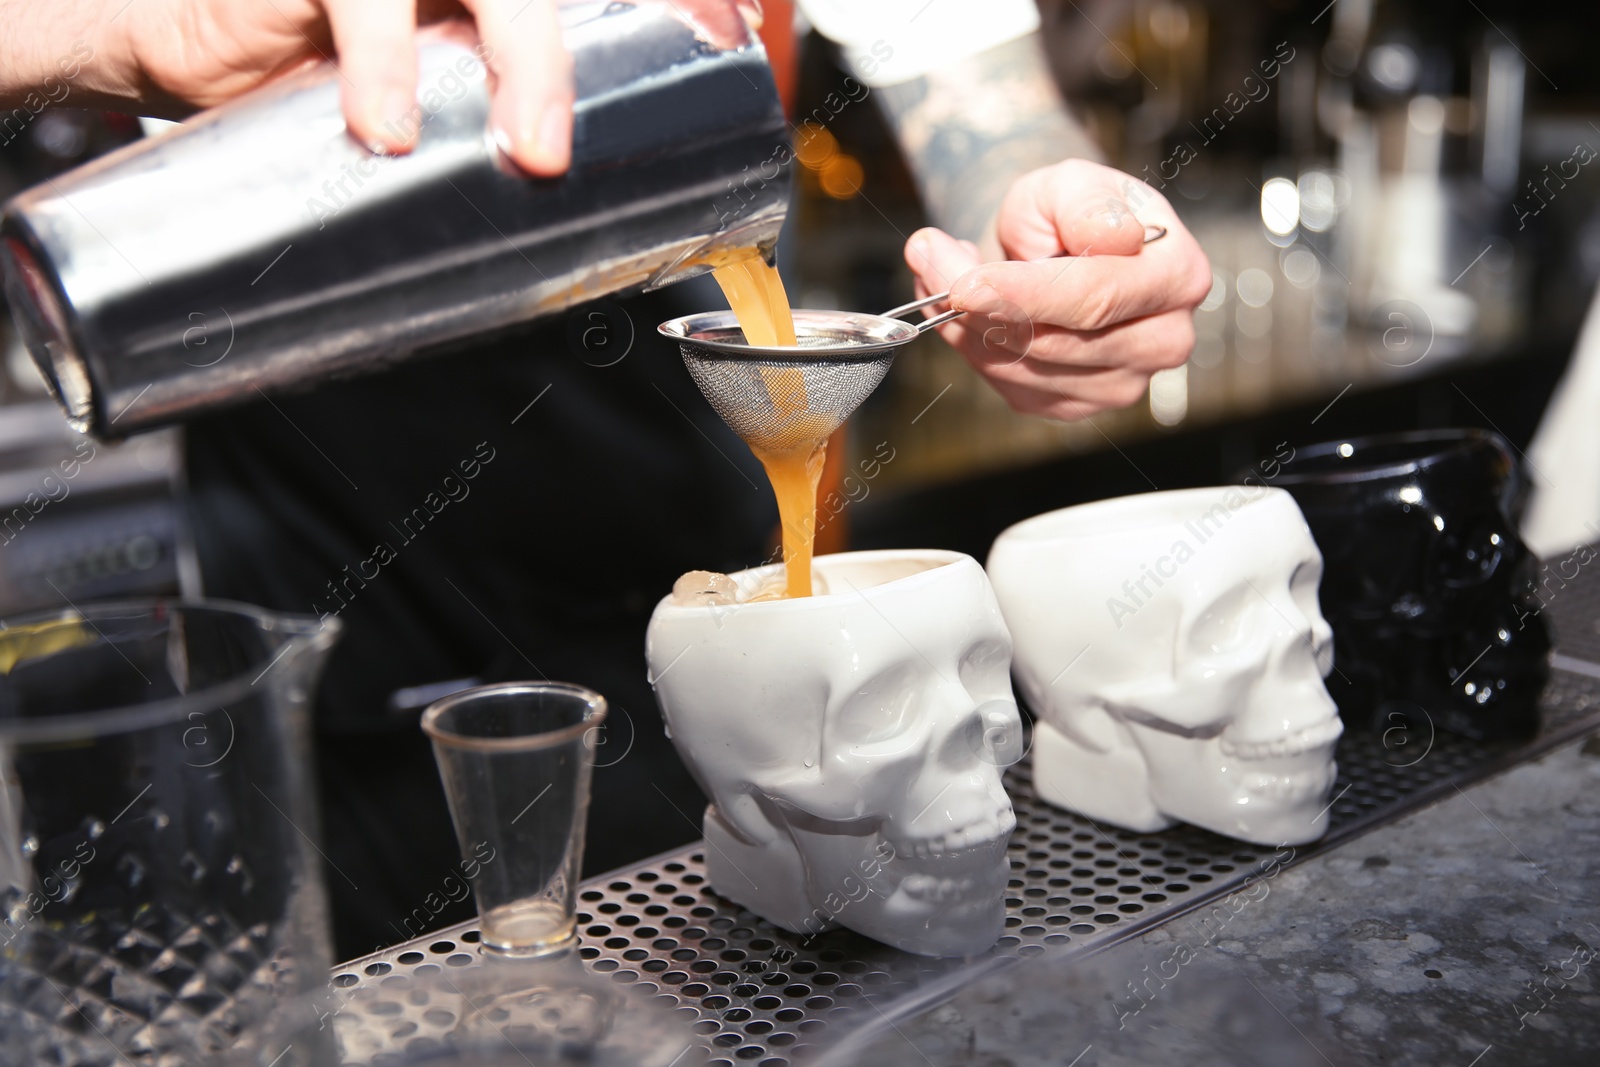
column 970, row 130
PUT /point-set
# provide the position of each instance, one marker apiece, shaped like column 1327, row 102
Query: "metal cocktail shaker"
column 259, row 247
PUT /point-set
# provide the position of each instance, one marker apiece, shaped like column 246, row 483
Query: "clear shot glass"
column 516, row 759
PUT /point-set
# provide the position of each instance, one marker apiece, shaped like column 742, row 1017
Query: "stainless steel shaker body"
column 258, row 247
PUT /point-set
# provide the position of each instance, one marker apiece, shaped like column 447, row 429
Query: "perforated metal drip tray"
column 757, row 994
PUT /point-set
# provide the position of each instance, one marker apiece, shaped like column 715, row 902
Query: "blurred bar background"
column 1395, row 197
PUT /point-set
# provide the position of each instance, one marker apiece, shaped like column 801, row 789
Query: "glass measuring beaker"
column 160, row 899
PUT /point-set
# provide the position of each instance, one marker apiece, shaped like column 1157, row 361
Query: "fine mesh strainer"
column 781, row 398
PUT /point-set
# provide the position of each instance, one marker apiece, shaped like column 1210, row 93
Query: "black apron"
column 512, row 509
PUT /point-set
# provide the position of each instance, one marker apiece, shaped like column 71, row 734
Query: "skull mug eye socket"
column 1466, row 555
column 881, row 711
column 1227, row 623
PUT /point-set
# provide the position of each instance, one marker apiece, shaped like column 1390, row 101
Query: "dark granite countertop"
column 1464, row 934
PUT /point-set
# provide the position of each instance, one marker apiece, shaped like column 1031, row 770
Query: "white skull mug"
column 852, row 745
column 1173, row 650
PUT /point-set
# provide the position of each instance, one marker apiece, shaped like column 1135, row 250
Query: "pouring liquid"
column 755, row 293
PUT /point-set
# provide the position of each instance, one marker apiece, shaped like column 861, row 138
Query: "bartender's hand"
column 169, row 57
column 1066, row 338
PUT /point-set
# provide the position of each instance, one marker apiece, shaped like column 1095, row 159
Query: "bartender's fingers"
column 1078, row 208
column 1089, row 292
column 936, row 260
column 1154, row 343
column 532, row 111
column 376, row 43
column 1069, row 394
column 725, row 23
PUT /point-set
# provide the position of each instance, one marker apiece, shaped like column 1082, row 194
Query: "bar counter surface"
column 1450, row 916
column 1464, row 934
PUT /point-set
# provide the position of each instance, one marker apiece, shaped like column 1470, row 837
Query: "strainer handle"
column 926, row 324
column 1151, row 233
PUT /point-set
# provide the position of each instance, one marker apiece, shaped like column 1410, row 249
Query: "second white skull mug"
column 1173, row 650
